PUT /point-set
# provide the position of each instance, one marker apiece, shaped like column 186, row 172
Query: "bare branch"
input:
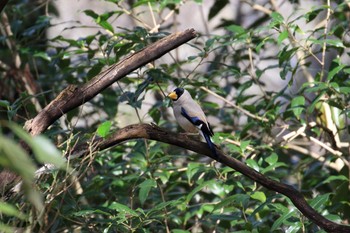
column 235, row 106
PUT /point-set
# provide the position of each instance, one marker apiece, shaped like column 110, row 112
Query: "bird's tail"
column 210, row 143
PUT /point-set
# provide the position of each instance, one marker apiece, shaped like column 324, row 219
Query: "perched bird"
column 190, row 116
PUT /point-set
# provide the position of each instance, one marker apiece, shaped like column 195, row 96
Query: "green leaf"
column 311, row 15
column 91, row 13
column 281, row 219
column 10, row 210
column 316, row 102
column 282, row 36
column 145, row 188
column 234, row 200
column 46, row 152
column 330, row 42
column 261, row 44
column 236, row 29
column 285, row 55
column 106, row 26
column 316, row 86
column 333, row 217
column 216, row 8
column 344, row 90
column 192, row 169
column 298, row 105
column 244, row 144
column 42, row 55
column 122, row 209
column 277, row 20
column 15, row 158
column 335, row 71
column 272, row 159
column 260, row 196
column 333, row 178
column 4, row 103
column 7, row 229
column 103, row 129
column 318, row 202
column 252, row 163
column 179, row 231
column 197, row 189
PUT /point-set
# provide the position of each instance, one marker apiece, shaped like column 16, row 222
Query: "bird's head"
column 176, row 94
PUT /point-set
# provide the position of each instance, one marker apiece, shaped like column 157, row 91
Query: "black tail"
column 210, row 144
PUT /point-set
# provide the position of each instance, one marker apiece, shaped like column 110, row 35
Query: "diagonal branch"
column 155, row 133
column 74, row 96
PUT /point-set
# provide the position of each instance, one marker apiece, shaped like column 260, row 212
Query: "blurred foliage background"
column 272, row 77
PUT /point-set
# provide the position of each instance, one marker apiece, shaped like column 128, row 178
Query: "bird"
column 190, row 116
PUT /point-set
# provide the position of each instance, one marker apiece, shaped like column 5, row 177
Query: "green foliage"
column 103, row 129
column 285, row 82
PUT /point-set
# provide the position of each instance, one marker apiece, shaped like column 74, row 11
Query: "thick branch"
column 3, row 4
column 155, row 133
column 74, row 96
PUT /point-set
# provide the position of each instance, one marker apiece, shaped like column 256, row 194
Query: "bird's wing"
column 204, row 127
column 199, row 121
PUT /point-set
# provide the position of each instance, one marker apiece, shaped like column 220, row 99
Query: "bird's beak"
column 173, row 95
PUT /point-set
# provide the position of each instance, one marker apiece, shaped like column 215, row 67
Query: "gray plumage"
column 190, row 115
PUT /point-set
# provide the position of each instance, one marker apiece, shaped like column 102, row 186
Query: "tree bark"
column 162, row 135
column 74, row 96
column 3, row 3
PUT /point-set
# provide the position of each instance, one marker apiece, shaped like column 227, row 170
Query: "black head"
column 177, row 93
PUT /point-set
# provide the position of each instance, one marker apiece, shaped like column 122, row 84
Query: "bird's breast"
column 183, row 122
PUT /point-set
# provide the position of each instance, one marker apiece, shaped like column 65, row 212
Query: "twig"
column 250, row 148
column 337, row 165
column 301, row 131
column 324, row 46
column 258, row 7
column 155, row 26
column 252, row 69
column 318, row 142
column 235, row 106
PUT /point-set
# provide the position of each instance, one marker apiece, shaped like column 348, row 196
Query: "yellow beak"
column 173, row 95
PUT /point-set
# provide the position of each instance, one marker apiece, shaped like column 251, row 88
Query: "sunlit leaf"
column 282, row 36
column 253, row 164
column 103, row 129
column 272, row 159
column 260, row 196
column 298, row 105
